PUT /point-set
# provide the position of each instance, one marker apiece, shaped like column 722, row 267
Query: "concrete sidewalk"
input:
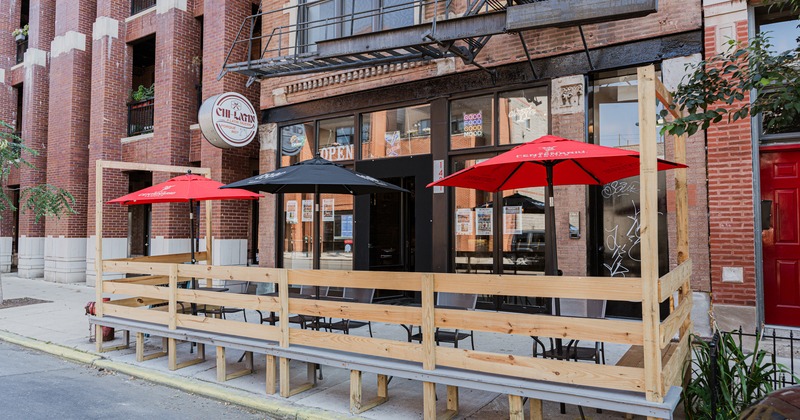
column 61, row 327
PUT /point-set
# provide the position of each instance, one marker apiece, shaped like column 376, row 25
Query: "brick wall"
column 8, row 94
column 70, row 81
column 111, row 81
column 673, row 16
column 730, row 196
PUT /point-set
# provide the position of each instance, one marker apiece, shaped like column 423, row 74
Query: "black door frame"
column 421, row 168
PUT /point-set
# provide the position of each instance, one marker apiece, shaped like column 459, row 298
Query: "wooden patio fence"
column 665, row 345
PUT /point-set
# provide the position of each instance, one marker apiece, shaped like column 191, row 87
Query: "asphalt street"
column 35, row 385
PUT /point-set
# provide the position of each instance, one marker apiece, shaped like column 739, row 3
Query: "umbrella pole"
column 551, row 248
column 191, row 248
column 316, row 254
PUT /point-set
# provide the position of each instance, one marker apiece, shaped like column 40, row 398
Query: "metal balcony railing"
column 22, row 46
column 140, row 117
column 141, row 5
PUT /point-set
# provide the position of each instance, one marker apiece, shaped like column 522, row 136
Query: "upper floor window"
column 321, row 20
column 782, row 29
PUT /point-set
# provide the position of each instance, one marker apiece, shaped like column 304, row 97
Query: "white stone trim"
column 140, row 14
column 5, row 253
column 31, row 257
column 65, row 259
column 229, row 252
column 63, row 44
column 268, row 136
column 163, row 246
column 194, row 127
column 133, row 139
column 164, row 6
column 3, row 76
column 112, row 248
column 105, row 26
column 35, row 57
column 674, row 69
column 568, row 95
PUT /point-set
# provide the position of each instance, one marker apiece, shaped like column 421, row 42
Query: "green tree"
column 43, row 200
column 717, row 87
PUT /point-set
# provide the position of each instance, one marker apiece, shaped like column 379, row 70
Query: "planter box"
column 21, row 37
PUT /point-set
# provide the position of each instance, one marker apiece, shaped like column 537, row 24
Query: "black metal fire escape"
column 286, row 50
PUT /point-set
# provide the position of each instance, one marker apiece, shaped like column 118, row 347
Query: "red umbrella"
column 549, row 161
column 185, row 189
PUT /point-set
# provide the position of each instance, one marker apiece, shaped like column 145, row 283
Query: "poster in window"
column 463, row 222
column 347, row 226
column 291, row 211
column 512, row 220
column 308, row 210
column 483, row 221
column 327, row 210
column 392, row 143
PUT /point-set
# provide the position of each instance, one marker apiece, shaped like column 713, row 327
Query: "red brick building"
column 401, row 120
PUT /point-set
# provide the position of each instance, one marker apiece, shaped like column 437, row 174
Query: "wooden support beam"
column 102, row 349
column 452, row 403
column 357, row 405
column 537, row 412
column 172, row 347
column 272, row 374
column 222, row 366
column 98, row 253
column 286, row 375
column 140, row 354
column 428, row 323
column 654, row 386
column 429, row 401
column 673, row 280
column 676, row 320
column 515, row 410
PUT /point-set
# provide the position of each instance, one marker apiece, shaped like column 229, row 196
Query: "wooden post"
column 428, row 345
column 283, row 296
column 222, row 365
column 272, row 373
column 452, row 402
column 357, row 405
column 141, row 357
column 173, row 297
column 654, row 388
column 515, row 411
column 98, row 254
column 537, row 412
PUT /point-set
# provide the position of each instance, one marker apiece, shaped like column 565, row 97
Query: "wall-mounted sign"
column 228, row 120
column 473, row 124
column 293, row 138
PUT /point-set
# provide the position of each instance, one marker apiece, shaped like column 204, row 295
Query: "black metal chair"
column 581, row 308
column 452, row 301
column 345, row 325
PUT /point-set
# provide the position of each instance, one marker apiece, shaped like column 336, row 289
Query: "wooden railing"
column 158, row 283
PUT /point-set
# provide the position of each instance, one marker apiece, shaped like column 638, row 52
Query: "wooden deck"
column 649, row 388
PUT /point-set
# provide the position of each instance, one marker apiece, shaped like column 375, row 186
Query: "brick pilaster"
column 221, row 23
column 8, row 110
column 111, row 81
column 35, row 109
column 177, row 43
column 68, row 151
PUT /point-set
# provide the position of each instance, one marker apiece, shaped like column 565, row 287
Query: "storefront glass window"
column 336, row 215
column 523, row 115
column 471, row 122
column 615, row 124
column 474, row 226
column 523, row 231
column 336, row 137
column 396, row 132
column 298, row 143
column 298, row 245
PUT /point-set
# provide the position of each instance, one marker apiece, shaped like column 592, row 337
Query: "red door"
column 780, row 184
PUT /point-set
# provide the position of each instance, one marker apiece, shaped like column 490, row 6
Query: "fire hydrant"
column 108, row 332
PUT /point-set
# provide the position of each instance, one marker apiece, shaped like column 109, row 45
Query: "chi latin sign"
column 228, row 120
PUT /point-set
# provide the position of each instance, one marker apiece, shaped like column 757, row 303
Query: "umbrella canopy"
column 549, row 161
column 187, row 188
column 572, row 163
column 315, row 175
column 182, row 189
column 528, row 204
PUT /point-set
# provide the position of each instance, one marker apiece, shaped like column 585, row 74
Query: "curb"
column 194, row 386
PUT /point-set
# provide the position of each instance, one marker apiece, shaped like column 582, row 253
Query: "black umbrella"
column 316, row 176
column 528, row 204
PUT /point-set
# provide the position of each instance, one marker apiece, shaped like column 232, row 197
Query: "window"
column 396, row 132
column 336, row 139
column 328, row 19
column 523, row 115
column 298, row 143
column 783, row 32
column 471, row 122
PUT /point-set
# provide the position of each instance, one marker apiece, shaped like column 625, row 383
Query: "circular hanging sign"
column 228, row 120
